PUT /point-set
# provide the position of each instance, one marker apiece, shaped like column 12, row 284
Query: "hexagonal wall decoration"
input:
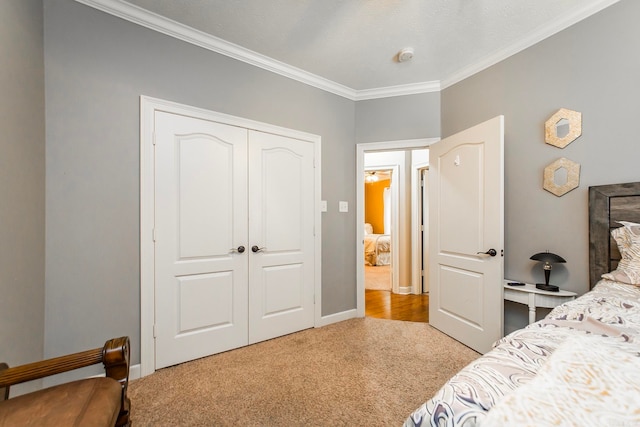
column 564, row 127
column 572, row 180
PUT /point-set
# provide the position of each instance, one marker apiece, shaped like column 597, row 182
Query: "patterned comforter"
column 578, row 366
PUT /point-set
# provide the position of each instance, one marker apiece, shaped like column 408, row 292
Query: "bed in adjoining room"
column 377, row 247
column 580, row 365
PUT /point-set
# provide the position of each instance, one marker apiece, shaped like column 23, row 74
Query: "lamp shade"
column 547, row 256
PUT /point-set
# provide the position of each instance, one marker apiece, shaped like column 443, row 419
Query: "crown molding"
column 145, row 18
column 161, row 24
column 553, row 27
column 390, row 91
column 153, row 21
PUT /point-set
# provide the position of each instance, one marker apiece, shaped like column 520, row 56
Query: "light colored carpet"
column 361, row 371
column 377, row 277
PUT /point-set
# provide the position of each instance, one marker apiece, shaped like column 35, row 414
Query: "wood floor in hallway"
column 387, row 305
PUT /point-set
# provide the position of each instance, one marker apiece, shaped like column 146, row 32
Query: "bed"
column 377, row 247
column 580, row 365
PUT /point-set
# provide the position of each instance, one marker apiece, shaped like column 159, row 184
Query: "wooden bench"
column 99, row 401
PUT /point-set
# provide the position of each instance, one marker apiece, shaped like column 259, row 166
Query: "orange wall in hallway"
column 374, row 204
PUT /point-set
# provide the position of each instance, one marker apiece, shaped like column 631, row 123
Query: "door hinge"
column 155, row 331
column 153, row 138
column 422, row 273
column 153, row 234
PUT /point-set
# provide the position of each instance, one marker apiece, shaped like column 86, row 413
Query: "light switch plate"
column 343, row 206
column 323, row 205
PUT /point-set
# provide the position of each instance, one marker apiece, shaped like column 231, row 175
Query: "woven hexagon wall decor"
column 572, row 179
column 564, row 127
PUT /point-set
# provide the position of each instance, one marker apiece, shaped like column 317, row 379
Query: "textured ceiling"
column 355, row 42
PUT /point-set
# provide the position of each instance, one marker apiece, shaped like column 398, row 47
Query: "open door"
column 424, row 221
column 466, row 222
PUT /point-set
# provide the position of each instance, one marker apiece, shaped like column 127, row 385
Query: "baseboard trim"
column 337, row 317
column 134, row 372
column 405, row 290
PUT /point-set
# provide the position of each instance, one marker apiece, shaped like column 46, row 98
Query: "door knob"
column 239, row 250
column 255, row 248
column 490, row 252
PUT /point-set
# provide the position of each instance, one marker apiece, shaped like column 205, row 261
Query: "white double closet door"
column 222, row 190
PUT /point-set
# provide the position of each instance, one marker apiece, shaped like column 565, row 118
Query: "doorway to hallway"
column 406, row 221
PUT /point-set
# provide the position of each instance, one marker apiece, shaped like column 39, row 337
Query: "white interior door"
column 424, row 175
column 200, row 224
column 466, row 219
column 281, row 230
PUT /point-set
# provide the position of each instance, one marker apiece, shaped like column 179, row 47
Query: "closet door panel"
column 201, row 219
column 281, row 226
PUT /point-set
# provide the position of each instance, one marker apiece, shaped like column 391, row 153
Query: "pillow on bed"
column 628, row 239
column 368, row 229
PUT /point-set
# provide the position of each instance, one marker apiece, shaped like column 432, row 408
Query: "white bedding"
column 377, row 249
column 538, row 366
column 590, row 380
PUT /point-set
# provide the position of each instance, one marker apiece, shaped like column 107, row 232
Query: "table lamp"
column 548, row 258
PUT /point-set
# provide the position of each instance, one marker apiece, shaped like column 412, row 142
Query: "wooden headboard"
column 607, row 205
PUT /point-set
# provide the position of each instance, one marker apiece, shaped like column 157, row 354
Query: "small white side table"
column 534, row 297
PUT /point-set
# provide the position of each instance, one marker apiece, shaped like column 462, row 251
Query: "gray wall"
column 22, row 182
column 97, row 66
column 397, row 118
column 591, row 67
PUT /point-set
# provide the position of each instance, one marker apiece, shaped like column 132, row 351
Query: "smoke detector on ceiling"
column 405, row 54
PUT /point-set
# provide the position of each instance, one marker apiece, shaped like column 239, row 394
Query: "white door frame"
column 417, row 235
column 148, row 107
column 363, row 148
